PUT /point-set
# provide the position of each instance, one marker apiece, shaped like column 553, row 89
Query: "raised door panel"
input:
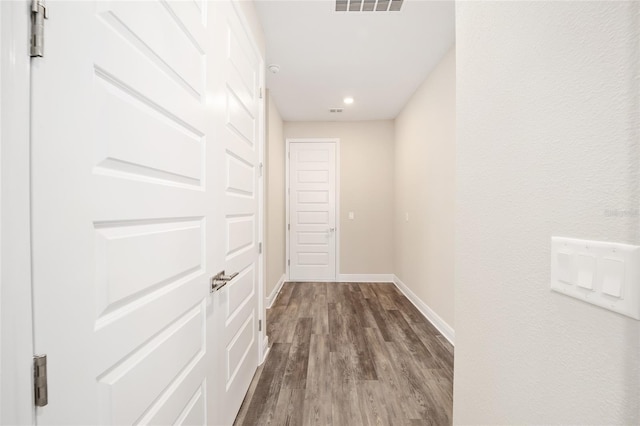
column 240, row 315
column 235, row 306
column 120, row 212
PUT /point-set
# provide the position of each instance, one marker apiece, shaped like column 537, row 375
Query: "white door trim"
column 16, row 332
column 287, row 194
column 263, row 345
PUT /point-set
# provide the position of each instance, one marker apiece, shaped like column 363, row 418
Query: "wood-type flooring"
column 349, row 354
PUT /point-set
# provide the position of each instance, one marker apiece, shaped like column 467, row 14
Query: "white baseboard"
column 366, row 278
column 274, row 293
column 265, row 349
column 445, row 329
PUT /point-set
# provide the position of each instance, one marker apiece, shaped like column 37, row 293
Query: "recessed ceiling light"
column 348, row 100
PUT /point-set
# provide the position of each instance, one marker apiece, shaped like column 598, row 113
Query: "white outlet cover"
column 597, row 272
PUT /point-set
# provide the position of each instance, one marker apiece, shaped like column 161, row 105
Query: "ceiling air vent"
column 336, row 109
column 368, row 5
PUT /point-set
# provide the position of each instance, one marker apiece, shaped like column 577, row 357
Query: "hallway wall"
column 366, row 188
column 548, row 128
column 425, row 189
column 275, row 218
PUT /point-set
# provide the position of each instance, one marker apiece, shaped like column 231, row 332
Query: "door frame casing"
column 287, row 194
column 16, row 314
column 263, row 344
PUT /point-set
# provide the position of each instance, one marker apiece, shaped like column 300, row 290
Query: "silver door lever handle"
column 220, row 280
column 332, row 229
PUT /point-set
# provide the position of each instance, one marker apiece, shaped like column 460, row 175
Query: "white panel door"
column 129, row 208
column 312, row 211
column 235, row 313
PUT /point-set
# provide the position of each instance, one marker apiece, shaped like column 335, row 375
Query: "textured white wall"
column 547, row 125
column 425, row 188
column 275, row 229
column 366, row 188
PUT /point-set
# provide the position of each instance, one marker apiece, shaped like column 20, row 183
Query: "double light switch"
column 601, row 273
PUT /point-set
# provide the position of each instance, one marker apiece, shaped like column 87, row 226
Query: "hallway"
column 350, row 354
column 391, row 178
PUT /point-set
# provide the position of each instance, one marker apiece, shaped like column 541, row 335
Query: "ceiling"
column 378, row 58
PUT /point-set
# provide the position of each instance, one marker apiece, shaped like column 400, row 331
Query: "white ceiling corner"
column 379, row 58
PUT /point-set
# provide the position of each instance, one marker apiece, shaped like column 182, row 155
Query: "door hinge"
column 260, row 248
column 38, row 15
column 261, row 93
column 288, row 262
column 259, row 325
column 288, row 227
column 289, row 154
column 40, row 391
column 261, row 167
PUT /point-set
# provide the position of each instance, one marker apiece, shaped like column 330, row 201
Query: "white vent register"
column 597, row 272
column 368, row 5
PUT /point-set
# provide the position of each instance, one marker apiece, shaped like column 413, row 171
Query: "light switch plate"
column 597, row 272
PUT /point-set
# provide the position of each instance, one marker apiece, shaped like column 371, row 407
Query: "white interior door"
column 235, row 308
column 312, row 211
column 131, row 215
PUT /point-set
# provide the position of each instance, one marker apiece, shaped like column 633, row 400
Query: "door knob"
column 332, row 229
column 220, row 280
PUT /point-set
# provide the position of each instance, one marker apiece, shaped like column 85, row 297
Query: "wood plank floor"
column 350, row 354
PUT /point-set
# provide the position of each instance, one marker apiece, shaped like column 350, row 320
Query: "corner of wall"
column 275, row 232
column 424, row 194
